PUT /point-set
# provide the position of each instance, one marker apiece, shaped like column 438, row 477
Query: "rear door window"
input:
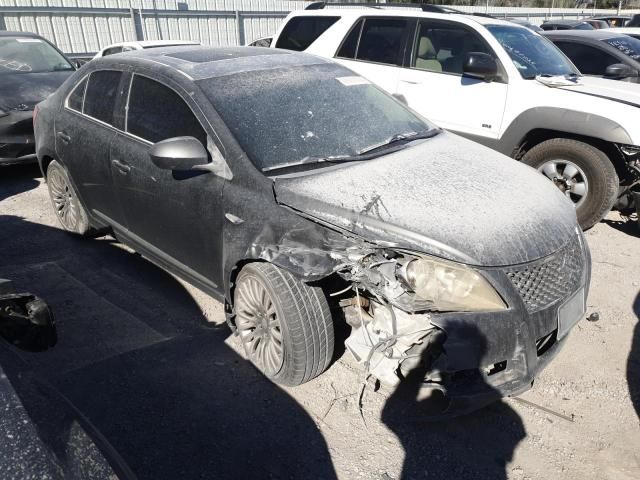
column 157, row 113
column 101, row 94
column 301, row 32
column 383, row 40
column 589, row 60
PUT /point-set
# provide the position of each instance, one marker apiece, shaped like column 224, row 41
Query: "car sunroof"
column 213, row 55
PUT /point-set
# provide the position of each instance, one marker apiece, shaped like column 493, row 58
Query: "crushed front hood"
column 28, row 89
column 446, row 196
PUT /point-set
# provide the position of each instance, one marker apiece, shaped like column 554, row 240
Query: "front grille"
column 544, row 282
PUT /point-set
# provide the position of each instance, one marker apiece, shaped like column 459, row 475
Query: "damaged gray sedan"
column 301, row 195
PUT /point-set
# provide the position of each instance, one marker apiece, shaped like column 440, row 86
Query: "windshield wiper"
column 365, row 154
column 400, row 137
column 314, row 160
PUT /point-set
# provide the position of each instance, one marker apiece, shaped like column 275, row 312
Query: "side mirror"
column 620, row 70
column 480, row 65
column 178, row 153
column 26, row 321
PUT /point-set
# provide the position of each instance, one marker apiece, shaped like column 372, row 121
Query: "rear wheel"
column 284, row 324
column 64, row 199
column 582, row 172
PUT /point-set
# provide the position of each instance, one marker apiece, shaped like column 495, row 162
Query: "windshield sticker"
column 353, row 80
column 625, row 48
column 28, row 40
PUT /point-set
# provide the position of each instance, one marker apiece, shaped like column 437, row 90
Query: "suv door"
column 435, row 85
column 175, row 216
column 375, row 48
column 85, row 126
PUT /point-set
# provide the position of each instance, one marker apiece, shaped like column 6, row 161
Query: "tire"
column 275, row 309
column 599, row 174
column 65, row 201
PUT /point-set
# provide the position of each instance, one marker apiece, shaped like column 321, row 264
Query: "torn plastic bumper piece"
column 26, row 321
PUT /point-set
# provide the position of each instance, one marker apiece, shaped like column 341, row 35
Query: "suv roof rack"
column 426, row 7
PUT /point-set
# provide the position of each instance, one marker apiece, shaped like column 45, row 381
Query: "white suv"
column 494, row 82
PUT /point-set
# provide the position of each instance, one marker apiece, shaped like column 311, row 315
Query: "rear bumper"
column 17, row 143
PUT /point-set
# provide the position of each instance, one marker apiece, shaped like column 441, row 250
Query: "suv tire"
column 65, row 201
column 284, row 325
column 599, row 174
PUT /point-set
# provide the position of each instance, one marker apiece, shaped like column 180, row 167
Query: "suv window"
column 156, row 113
column 382, row 40
column 101, row 94
column 112, row 51
column 589, row 60
column 350, row 45
column 443, row 47
column 77, row 96
column 301, row 32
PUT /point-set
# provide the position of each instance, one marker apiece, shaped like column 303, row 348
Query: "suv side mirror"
column 620, row 70
column 178, row 153
column 480, row 65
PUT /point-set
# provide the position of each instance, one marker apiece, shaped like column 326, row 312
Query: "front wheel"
column 284, row 324
column 582, row 172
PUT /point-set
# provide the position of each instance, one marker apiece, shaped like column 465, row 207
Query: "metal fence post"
column 239, row 28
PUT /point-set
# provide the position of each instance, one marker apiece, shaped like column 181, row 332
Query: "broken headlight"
column 449, row 286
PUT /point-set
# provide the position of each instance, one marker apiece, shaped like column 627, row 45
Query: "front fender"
column 561, row 120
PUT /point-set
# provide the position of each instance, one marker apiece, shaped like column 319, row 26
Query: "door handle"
column 411, row 82
column 123, row 167
column 64, row 137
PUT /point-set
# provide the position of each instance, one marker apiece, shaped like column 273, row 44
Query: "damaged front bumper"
column 472, row 359
column 17, row 144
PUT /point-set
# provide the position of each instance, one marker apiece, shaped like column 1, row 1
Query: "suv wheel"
column 64, row 199
column 284, row 324
column 582, row 172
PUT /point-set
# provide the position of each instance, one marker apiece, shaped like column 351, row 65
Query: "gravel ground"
column 145, row 360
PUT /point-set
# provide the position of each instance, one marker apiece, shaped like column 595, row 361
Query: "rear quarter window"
column 76, row 98
column 301, row 32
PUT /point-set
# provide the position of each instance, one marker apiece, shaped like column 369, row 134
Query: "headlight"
column 450, row 286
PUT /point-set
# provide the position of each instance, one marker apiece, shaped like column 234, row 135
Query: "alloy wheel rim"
column 569, row 178
column 259, row 327
column 64, row 201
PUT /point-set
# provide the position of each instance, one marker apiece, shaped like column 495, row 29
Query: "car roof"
column 152, row 43
column 565, row 22
column 602, row 34
column 395, row 11
column 201, row 62
column 19, row 34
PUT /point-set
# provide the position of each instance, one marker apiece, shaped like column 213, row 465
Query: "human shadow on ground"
column 477, row 445
column 139, row 378
column 633, row 362
column 15, row 179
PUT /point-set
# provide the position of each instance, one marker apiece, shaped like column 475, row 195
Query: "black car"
column 31, row 68
column 300, row 194
column 603, row 53
column 566, row 25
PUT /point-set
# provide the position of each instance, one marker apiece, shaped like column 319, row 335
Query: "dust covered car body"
column 31, row 68
column 301, row 195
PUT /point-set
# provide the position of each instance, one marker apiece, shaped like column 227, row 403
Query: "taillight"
column 35, row 114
